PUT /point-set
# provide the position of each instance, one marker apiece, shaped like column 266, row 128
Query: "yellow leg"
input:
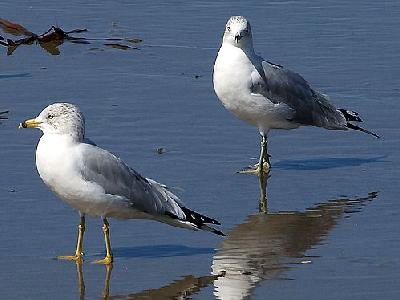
column 79, row 248
column 264, row 165
column 108, row 259
column 264, row 157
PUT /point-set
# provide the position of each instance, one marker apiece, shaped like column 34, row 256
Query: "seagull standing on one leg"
column 267, row 95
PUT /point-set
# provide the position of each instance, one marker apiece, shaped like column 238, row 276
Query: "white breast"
column 50, row 159
column 59, row 163
column 233, row 74
column 62, row 174
column 232, row 83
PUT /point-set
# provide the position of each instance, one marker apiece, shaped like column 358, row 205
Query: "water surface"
column 161, row 95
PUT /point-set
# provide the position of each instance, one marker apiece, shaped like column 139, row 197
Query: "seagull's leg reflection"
column 81, row 281
column 263, row 203
column 268, row 244
column 183, row 288
column 106, row 289
column 79, row 248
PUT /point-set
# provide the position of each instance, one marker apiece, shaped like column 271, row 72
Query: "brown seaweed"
column 14, row 28
column 53, row 38
column 50, row 40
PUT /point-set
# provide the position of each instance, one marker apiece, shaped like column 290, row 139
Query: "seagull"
column 97, row 183
column 267, row 95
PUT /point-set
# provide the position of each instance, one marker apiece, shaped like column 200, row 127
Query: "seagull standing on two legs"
column 267, row 95
column 97, row 183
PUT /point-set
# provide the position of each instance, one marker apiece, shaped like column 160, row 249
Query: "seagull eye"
column 50, row 116
column 228, row 28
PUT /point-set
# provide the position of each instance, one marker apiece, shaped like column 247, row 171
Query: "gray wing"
column 281, row 85
column 116, row 178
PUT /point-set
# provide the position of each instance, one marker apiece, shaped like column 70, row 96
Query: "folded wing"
column 280, row 85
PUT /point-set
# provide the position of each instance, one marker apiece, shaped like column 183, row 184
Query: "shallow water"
column 161, row 95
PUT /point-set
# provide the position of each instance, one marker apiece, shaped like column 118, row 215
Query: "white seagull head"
column 59, row 118
column 238, row 32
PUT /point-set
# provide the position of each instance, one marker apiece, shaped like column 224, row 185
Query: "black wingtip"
column 355, row 127
column 350, row 115
column 201, row 221
column 215, row 222
column 218, row 232
column 211, row 229
column 197, row 218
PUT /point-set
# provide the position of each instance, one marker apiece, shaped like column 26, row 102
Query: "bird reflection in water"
column 182, row 288
column 267, row 244
column 263, row 181
column 262, row 248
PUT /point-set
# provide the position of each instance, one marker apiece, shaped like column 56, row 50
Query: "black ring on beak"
column 237, row 38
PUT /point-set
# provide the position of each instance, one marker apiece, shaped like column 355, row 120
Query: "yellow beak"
column 31, row 123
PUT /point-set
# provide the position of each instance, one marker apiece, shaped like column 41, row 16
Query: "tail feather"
column 197, row 221
column 350, row 115
column 355, row 127
column 185, row 217
column 353, row 116
column 197, row 218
